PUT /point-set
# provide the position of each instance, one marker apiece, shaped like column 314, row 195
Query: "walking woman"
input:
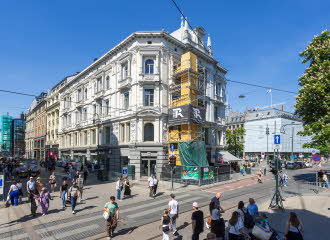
column 112, row 208
column 44, row 201
column 293, row 228
column 236, row 228
column 127, row 188
column 259, row 175
column 52, row 182
column 165, row 224
column 13, row 194
column 217, row 222
column 39, row 184
column 64, row 193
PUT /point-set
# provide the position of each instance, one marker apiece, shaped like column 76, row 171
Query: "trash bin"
column 248, row 170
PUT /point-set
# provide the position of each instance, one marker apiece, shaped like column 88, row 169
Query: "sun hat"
column 195, row 204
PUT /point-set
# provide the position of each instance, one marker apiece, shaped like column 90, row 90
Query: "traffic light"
column 172, row 161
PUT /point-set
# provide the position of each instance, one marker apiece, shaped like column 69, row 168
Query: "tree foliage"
column 313, row 101
column 234, row 145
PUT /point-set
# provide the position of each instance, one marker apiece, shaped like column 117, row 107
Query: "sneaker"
column 73, row 212
column 43, row 214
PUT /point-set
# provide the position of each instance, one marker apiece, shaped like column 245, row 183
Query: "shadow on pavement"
column 305, row 177
column 82, row 209
column 124, row 231
column 90, row 198
column 313, row 223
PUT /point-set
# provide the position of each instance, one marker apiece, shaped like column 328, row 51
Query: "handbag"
column 106, row 215
column 261, row 234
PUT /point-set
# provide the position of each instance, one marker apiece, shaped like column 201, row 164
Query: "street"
column 136, row 212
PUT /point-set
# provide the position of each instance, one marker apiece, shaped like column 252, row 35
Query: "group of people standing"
column 123, row 185
column 153, row 185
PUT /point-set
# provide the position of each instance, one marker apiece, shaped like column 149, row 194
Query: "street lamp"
column 282, row 130
column 97, row 121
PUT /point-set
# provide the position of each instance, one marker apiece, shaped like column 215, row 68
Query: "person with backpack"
column 197, row 223
column 293, row 228
column 245, row 216
column 217, row 222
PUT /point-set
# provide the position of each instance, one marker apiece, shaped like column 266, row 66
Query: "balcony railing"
column 126, row 82
column 149, row 78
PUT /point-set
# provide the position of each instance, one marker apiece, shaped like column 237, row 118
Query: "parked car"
column 22, row 171
column 34, row 170
column 292, row 165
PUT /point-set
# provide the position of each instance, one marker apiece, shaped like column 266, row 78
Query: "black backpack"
column 248, row 220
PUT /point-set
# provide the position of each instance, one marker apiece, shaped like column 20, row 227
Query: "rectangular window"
column 126, row 100
column 215, row 113
column 93, row 135
column 94, row 109
column 218, row 89
column 128, row 132
column 107, row 135
column 85, row 114
column 122, row 132
column 148, row 97
column 107, row 110
column 124, row 69
column 99, row 84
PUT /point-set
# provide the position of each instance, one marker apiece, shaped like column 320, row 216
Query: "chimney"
column 282, row 107
column 95, row 59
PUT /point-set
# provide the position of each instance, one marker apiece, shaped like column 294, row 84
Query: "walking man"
column 119, row 187
column 80, row 184
column 173, row 208
column 197, row 219
column 73, row 194
column 151, row 186
column 112, row 208
column 30, row 187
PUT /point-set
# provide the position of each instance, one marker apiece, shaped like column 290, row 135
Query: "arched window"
column 149, row 66
column 149, row 132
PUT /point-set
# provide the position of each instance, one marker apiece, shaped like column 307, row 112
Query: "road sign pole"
column 172, row 168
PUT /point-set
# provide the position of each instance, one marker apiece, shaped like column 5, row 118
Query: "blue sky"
column 257, row 41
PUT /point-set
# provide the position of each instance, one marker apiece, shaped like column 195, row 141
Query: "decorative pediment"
column 148, row 112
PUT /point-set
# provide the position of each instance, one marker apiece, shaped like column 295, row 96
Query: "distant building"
column 18, row 136
column 278, row 122
column 5, row 133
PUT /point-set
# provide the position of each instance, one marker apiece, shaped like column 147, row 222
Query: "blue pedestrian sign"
column 172, row 147
column 125, row 171
column 277, row 139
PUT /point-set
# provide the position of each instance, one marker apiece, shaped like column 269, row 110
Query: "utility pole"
column 267, row 134
column 292, row 143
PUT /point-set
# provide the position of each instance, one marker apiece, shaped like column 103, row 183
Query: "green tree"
column 234, row 145
column 313, row 101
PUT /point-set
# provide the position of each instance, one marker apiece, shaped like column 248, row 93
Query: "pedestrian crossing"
column 85, row 226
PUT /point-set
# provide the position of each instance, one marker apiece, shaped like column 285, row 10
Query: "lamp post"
column 96, row 120
column 292, row 134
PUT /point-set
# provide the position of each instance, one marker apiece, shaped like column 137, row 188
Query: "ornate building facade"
column 117, row 107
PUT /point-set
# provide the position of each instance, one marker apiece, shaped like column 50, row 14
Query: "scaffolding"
column 187, row 89
column 5, row 133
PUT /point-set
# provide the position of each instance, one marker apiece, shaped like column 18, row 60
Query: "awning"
column 227, row 157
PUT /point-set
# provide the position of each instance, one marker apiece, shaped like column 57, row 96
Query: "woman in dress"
column 52, row 182
column 39, row 184
column 127, row 188
column 294, row 228
column 44, row 201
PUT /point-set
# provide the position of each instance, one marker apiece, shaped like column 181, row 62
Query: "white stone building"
column 117, row 107
column 279, row 122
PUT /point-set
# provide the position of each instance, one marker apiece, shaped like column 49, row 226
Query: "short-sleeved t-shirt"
column 151, row 182
column 173, row 204
column 235, row 229
column 74, row 191
column 13, row 187
column 253, row 209
column 215, row 214
column 217, row 201
column 198, row 216
column 112, row 207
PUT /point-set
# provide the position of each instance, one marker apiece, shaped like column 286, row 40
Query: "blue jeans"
column 325, row 184
column 14, row 197
column 73, row 202
column 118, row 194
column 64, row 197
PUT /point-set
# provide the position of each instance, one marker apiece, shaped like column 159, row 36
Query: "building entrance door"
column 148, row 167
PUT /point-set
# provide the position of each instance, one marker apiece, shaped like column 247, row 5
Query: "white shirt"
column 241, row 213
column 19, row 185
column 235, row 229
column 151, row 181
column 118, row 185
column 294, row 229
column 13, row 187
column 173, row 205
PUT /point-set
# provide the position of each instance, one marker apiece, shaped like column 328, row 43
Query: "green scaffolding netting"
column 193, row 154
